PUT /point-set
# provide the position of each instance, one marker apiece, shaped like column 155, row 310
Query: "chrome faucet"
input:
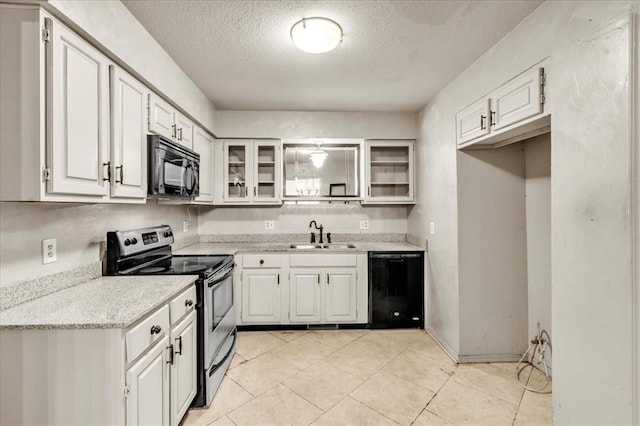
column 314, row 223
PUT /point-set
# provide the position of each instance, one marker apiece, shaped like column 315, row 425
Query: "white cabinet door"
column 238, row 165
column 340, row 303
column 517, row 100
column 79, row 113
column 128, row 135
column 389, row 172
column 183, row 370
column 184, row 130
column 266, row 172
column 161, row 117
column 473, row 121
column 305, row 293
column 261, row 296
column 203, row 145
column 148, row 382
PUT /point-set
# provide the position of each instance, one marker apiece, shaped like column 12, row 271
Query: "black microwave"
column 173, row 169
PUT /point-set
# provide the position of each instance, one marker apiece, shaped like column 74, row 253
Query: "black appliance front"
column 173, row 170
column 396, row 289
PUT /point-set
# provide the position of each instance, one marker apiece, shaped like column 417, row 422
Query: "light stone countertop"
column 281, row 247
column 105, row 302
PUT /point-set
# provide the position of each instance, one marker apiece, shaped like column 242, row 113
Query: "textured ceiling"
column 394, row 56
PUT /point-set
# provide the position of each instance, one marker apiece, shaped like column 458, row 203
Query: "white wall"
column 80, row 230
column 110, row 24
column 311, row 124
column 588, row 97
column 293, row 219
column 537, row 157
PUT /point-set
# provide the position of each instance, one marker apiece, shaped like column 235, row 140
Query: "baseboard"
column 467, row 359
column 443, row 345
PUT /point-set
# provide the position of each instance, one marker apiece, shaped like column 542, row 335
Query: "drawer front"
column 182, row 303
column 140, row 337
column 261, row 261
column 322, row 260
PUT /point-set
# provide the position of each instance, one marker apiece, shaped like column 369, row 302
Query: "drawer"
column 322, row 260
column 140, row 337
column 261, row 261
column 182, row 303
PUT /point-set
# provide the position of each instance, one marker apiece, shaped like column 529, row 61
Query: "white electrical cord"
column 541, row 345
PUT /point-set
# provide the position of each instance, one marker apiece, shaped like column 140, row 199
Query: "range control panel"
column 136, row 241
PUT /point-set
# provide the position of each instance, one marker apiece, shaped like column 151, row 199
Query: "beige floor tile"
column 222, row 421
column 254, row 343
column 261, row 374
column 337, row 338
column 509, row 366
column 492, row 380
column 427, row 346
column 393, row 342
column 460, row 404
column 427, row 418
column 393, row 397
column 535, row 408
column 228, row 397
column 288, row 335
column 192, row 417
column 303, row 352
column 322, row 384
column 537, row 379
column 237, row 360
column 351, row 412
column 361, row 359
column 279, row 406
column 419, row 369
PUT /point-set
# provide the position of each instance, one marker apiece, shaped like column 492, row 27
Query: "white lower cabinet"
column 183, row 367
column 148, row 388
column 319, row 288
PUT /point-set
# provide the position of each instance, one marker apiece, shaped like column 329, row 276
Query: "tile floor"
column 362, row 377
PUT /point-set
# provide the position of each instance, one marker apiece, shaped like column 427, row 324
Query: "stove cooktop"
column 185, row 265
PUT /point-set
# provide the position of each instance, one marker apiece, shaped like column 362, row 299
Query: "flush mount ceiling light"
column 318, row 156
column 316, row 35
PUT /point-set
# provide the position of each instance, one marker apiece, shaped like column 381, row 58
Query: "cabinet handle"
column 492, row 120
column 179, row 351
column 108, row 166
column 170, row 347
column 121, row 173
column 278, row 279
column 262, row 261
column 174, row 131
column 246, row 191
column 255, row 191
column 156, row 329
column 188, row 303
column 180, row 129
column 482, row 118
column 327, row 279
column 369, row 191
column 318, row 279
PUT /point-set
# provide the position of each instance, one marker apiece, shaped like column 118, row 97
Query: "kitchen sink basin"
column 321, row 246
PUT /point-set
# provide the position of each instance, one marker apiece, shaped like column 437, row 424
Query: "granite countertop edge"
column 280, row 247
column 80, row 313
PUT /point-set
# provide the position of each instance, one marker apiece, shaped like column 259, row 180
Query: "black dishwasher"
column 396, row 289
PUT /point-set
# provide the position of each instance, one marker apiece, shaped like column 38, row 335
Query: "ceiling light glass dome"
column 316, row 35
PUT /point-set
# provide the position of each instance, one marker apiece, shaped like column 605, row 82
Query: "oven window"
column 222, row 299
column 173, row 174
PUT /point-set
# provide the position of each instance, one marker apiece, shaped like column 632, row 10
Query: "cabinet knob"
column 262, row 261
column 188, row 303
column 156, row 329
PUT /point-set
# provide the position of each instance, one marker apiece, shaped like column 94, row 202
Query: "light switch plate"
column 364, row 224
column 432, row 228
column 49, row 251
column 269, row 224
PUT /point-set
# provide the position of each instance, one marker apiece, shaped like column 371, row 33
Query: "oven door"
column 219, row 315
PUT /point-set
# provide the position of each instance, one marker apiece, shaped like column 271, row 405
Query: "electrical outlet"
column 185, row 225
column 432, row 228
column 364, row 224
column 49, row 251
column 269, row 224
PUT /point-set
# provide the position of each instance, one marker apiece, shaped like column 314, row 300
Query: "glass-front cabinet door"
column 389, row 172
column 237, row 156
column 251, row 171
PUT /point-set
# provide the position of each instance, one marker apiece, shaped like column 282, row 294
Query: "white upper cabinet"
column 251, row 172
column 128, row 135
column 79, row 111
column 165, row 120
column 203, row 145
column 389, row 175
column 509, row 113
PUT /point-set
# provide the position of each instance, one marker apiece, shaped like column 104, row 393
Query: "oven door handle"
column 215, row 366
column 226, row 275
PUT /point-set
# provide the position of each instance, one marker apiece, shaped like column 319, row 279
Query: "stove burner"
column 154, row 269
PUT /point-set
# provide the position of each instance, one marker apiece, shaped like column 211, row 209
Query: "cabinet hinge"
column 543, row 77
column 46, row 174
column 46, row 34
column 126, row 391
column 542, row 98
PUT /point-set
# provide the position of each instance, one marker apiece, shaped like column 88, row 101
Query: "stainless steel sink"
column 321, row 246
column 343, row 246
